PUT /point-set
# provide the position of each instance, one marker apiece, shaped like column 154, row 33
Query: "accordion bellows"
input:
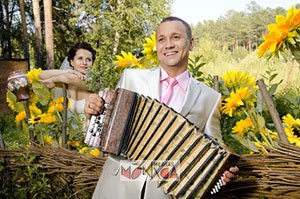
column 144, row 130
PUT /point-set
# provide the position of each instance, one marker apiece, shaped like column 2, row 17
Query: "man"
column 194, row 100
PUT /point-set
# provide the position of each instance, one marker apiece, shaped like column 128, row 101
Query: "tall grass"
column 219, row 61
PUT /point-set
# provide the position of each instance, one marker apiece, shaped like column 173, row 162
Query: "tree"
column 113, row 26
column 110, row 26
column 24, row 26
column 6, row 40
column 49, row 39
column 38, row 33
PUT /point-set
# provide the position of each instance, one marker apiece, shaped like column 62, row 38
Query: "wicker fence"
column 274, row 175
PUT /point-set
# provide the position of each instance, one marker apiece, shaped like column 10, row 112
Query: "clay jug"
column 18, row 83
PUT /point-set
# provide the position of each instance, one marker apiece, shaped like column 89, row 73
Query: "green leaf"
column 43, row 92
column 19, row 106
column 246, row 142
column 273, row 76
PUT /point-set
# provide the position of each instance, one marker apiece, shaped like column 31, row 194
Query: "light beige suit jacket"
column 200, row 107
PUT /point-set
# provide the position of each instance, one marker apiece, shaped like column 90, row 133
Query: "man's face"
column 173, row 45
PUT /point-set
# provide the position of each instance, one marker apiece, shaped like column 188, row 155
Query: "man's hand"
column 93, row 105
column 229, row 175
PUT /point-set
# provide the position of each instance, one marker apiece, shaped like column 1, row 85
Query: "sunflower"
column 236, row 79
column 84, row 150
column 236, row 102
column 48, row 140
column 126, row 60
column 73, row 143
column 33, row 75
column 56, row 105
column 48, row 119
column 150, row 49
column 243, row 126
column 20, row 116
column 292, row 129
column 95, row 152
column 284, row 34
column 34, row 110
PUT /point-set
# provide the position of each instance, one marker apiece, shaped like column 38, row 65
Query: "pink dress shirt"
column 180, row 89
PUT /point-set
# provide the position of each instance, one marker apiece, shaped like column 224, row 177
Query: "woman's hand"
column 93, row 105
column 79, row 75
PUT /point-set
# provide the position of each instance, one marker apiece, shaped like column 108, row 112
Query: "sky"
column 194, row 11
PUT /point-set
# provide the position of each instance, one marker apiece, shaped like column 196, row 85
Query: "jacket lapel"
column 192, row 95
column 153, row 82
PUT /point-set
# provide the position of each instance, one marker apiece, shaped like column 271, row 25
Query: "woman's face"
column 82, row 60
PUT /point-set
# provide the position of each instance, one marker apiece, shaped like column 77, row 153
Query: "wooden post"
column 273, row 111
column 216, row 83
column 26, row 106
column 65, row 117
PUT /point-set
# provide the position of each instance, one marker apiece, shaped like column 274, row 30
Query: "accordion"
column 144, row 130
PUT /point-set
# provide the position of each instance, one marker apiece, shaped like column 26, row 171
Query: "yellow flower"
column 34, row 119
column 33, row 98
column 126, row 60
column 288, row 120
column 150, row 49
column 48, row 140
column 20, row 116
column 281, row 34
column 34, row 110
column 47, row 119
column 59, row 107
column 74, row 143
column 292, row 129
column 273, row 134
column 236, row 79
column 42, row 118
column 243, row 126
column 51, row 110
column 59, row 100
column 11, row 104
column 57, row 104
column 95, row 152
column 234, row 104
column 242, row 88
column 33, row 75
column 84, row 150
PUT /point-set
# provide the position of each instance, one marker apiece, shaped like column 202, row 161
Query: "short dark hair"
column 186, row 25
column 81, row 45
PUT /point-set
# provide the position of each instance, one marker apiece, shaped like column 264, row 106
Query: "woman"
column 81, row 57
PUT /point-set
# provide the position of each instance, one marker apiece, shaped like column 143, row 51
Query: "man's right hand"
column 93, row 105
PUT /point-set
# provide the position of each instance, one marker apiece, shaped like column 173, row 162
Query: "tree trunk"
column 250, row 45
column 38, row 33
column 25, row 33
column 6, row 44
column 117, row 35
column 49, row 34
column 2, row 25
